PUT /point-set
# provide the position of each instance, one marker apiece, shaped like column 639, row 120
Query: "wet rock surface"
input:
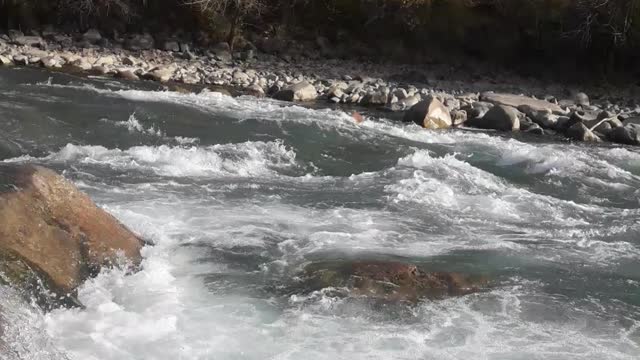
column 51, row 230
column 388, row 280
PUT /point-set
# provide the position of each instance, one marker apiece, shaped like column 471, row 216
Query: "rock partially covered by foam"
column 389, row 281
column 47, row 225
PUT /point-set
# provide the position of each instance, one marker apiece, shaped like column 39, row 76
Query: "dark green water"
column 238, row 194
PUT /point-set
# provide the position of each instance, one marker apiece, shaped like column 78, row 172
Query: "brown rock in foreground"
column 56, row 229
column 392, row 281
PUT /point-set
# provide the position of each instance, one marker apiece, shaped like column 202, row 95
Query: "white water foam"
column 247, row 159
column 133, row 125
column 165, row 312
column 452, row 191
column 23, row 333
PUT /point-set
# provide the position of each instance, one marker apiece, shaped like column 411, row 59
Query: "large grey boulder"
column 302, row 91
column 517, row 101
column 430, row 114
column 499, row 117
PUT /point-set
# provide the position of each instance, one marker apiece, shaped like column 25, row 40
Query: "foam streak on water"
column 268, row 187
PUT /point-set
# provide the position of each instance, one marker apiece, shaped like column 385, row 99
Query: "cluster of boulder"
column 265, row 69
column 576, row 119
column 53, row 237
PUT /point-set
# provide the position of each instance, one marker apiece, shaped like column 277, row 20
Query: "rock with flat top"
column 518, row 101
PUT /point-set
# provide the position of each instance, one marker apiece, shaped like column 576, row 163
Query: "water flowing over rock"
column 390, row 281
column 57, row 230
column 429, row 113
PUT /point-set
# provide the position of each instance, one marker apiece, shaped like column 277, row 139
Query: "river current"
column 237, row 194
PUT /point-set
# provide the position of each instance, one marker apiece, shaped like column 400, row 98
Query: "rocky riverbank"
column 434, row 96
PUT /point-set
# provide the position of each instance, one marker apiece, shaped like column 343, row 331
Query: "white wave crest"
column 247, row 159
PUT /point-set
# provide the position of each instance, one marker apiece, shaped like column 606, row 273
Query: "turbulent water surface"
column 237, row 194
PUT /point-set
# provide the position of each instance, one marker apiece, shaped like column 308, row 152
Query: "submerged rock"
column 390, row 281
column 56, row 230
column 429, row 113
